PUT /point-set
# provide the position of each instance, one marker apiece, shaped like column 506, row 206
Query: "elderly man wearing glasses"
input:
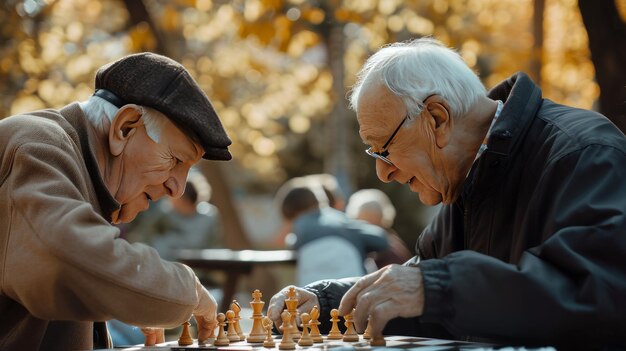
column 529, row 245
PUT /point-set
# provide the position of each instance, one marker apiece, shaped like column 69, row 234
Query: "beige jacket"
column 62, row 265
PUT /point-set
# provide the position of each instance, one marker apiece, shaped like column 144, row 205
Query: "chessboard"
column 260, row 338
column 399, row 343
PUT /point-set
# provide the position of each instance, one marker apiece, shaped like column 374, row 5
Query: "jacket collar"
column 75, row 116
column 522, row 99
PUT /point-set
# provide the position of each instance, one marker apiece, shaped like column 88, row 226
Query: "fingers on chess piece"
column 185, row 338
column 287, row 341
column 315, row 331
column 222, row 339
column 367, row 333
column 232, row 329
column 378, row 341
column 334, row 333
column 269, row 340
column 305, row 339
column 350, row 334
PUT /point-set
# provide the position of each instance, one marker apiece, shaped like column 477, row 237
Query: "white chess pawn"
column 305, row 339
column 287, row 342
column 222, row 339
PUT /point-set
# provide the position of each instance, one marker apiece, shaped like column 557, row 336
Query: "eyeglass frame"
column 383, row 155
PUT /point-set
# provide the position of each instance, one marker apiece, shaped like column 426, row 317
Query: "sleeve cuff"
column 437, row 299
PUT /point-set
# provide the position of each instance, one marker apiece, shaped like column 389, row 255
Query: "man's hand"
column 306, row 301
column 205, row 312
column 393, row 291
column 153, row 336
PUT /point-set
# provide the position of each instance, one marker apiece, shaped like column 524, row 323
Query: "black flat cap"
column 161, row 83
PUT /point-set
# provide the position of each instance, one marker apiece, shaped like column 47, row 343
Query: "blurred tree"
column 278, row 70
column 607, row 41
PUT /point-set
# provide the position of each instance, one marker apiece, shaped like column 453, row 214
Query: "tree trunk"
column 537, row 58
column 607, row 42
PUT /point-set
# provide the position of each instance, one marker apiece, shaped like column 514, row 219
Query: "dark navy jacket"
column 534, row 251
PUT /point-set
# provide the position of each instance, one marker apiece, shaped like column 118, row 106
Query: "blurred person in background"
column 374, row 207
column 329, row 243
column 188, row 222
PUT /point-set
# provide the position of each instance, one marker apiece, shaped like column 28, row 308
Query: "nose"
column 385, row 171
column 176, row 182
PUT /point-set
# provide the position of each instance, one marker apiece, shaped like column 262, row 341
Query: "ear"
column 123, row 126
column 439, row 119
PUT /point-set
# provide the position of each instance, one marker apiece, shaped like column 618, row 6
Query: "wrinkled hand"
column 153, row 336
column 205, row 312
column 393, row 291
column 306, row 301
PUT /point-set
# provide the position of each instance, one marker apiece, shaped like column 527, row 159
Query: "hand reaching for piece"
column 306, row 301
column 205, row 312
column 393, row 291
column 153, row 336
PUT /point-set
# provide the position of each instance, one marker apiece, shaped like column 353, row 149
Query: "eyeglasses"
column 383, row 154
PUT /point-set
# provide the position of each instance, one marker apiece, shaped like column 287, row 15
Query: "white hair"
column 372, row 200
column 419, row 68
column 97, row 109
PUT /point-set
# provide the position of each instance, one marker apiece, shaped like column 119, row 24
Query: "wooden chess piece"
column 237, row 308
column 222, row 339
column 315, row 331
column 185, row 338
column 305, row 339
column 378, row 341
column 269, row 340
column 292, row 307
column 334, row 333
column 350, row 334
column 257, row 334
column 232, row 329
column 366, row 333
column 287, row 342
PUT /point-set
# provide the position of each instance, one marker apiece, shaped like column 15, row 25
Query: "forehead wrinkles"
column 378, row 116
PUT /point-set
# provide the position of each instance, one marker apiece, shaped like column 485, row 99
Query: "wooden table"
column 234, row 263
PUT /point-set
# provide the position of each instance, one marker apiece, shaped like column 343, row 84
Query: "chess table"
column 398, row 343
column 236, row 264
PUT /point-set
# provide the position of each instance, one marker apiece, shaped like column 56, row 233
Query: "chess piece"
column 269, row 340
column 292, row 307
column 315, row 331
column 366, row 333
column 287, row 342
column 222, row 339
column 232, row 329
column 185, row 338
column 350, row 334
column 334, row 333
column 237, row 308
column 305, row 339
column 257, row 335
column 378, row 341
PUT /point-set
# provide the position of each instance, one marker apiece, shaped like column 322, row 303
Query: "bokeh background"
column 278, row 73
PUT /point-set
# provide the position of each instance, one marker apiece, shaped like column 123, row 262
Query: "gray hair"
column 419, row 68
column 372, row 200
column 97, row 109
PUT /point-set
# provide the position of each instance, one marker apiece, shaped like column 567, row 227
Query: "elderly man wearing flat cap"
column 67, row 175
